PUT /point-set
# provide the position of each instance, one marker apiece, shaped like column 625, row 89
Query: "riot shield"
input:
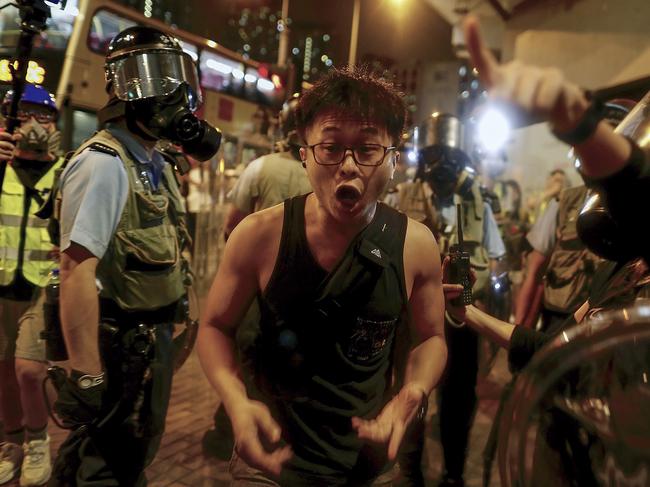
column 580, row 412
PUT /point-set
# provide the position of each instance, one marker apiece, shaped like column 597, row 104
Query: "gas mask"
column 158, row 86
column 601, row 233
column 170, row 117
column 447, row 171
column 442, row 162
column 37, row 143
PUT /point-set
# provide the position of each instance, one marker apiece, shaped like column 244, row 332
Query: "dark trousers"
column 457, row 397
column 117, row 456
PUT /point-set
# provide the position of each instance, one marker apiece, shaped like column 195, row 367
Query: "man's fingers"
column 278, row 458
column 549, row 90
column 481, row 57
column 252, row 452
column 268, row 426
column 372, row 431
column 445, row 269
column 452, row 291
column 395, row 441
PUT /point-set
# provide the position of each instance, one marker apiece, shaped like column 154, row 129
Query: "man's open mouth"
column 348, row 195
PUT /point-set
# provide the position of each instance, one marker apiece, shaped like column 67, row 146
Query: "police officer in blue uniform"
column 123, row 277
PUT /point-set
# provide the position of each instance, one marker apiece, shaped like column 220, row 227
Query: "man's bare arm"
column 232, row 292
column 230, row 295
column 80, row 308
column 233, row 218
column 428, row 355
column 535, row 263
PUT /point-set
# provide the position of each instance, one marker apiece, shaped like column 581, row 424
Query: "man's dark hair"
column 354, row 91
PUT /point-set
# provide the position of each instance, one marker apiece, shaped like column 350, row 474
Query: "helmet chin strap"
column 135, row 127
column 114, row 108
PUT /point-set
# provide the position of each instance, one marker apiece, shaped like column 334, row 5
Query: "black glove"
column 78, row 405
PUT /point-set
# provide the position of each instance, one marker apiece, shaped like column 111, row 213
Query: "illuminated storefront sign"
column 35, row 72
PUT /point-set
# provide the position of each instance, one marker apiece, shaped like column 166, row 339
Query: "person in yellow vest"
column 124, row 279
column 26, row 258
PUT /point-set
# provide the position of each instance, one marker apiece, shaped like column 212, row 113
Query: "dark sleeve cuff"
column 634, row 168
column 625, row 194
column 524, row 342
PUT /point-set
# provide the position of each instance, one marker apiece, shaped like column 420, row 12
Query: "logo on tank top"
column 369, row 338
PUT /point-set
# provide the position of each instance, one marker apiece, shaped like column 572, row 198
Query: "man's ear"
column 303, row 154
column 394, row 160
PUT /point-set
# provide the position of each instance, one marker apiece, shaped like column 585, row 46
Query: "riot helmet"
column 441, row 160
column 39, row 138
column 143, row 62
column 154, row 84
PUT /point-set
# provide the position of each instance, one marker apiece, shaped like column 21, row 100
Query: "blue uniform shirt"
column 95, row 186
column 492, row 241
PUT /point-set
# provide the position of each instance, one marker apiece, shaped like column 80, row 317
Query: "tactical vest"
column 571, row 265
column 33, row 251
column 473, row 216
column 414, row 199
column 142, row 268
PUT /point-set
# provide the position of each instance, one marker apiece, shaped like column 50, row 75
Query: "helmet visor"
column 154, row 73
column 636, row 125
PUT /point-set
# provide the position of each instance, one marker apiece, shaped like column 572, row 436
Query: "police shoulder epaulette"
column 99, row 147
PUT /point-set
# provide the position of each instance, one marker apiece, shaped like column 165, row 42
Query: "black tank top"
column 322, row 360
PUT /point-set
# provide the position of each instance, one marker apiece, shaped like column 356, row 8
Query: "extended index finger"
column 482, row 59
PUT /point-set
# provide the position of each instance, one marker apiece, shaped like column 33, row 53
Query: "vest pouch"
column 152, row 208
column 566, row 281
column 416, row 203
column 146, row 273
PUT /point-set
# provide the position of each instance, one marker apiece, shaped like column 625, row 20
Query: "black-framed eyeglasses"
column 333, row 154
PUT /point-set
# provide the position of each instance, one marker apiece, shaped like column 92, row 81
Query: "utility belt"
column 110, row 311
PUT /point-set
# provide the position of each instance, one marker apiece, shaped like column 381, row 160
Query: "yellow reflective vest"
column 25, row 243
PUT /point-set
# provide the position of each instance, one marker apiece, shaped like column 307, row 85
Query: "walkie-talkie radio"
column 459, row 269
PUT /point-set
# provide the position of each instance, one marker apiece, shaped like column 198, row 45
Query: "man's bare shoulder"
column 421, row 253
column 418, row 234
column 259, row 230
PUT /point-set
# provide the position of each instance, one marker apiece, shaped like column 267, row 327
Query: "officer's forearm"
column 80, row 312
column 525, row 298
column 604, row 153
column 426, row 363
column 496, row 330
column 219, row 361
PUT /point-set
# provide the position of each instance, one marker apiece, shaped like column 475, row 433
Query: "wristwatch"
column 586, row 126
column 86, row 381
